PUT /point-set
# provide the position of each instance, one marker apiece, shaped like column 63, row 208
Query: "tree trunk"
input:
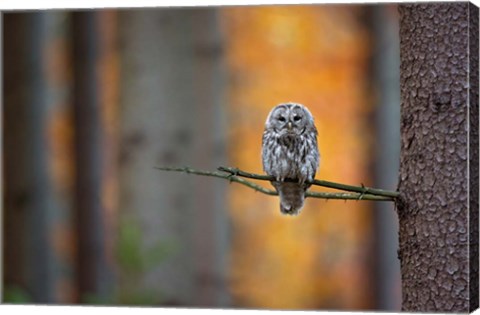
column 434, row 162
column 30, row 202
column 473, row 155
column 171, row 114
column 93, row 273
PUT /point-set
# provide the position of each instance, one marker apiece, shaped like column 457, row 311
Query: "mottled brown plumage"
column 289, row 150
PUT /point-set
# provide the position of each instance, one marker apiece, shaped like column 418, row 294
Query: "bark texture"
column 434, row 163
column 473, row 154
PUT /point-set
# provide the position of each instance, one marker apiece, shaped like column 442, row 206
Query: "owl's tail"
column 292, row 196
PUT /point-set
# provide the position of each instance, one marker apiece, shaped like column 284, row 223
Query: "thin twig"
column 223, row 175
column 235, row 175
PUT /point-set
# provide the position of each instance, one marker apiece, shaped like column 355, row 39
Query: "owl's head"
column 290, row 118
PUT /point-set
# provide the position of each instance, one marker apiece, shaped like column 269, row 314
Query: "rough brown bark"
column 434, row 161
column 473, row 154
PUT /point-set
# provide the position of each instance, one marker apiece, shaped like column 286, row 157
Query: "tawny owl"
column 290, row 151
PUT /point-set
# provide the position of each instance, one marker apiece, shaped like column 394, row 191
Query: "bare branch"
column 235, row 175
column 360, row 189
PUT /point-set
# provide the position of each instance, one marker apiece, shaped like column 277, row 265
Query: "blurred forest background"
column 93, row 100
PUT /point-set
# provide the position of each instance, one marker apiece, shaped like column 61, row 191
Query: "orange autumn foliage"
column 317, row 56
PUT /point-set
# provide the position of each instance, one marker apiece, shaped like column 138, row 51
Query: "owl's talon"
column 235, row 171
column 230, row 177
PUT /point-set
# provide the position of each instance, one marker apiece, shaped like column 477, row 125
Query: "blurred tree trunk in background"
column 93, row 272
column 386, row 79
column 40, row 158
column 171, row 114
column 211, row 239
column 434, row 162
column 37, row 231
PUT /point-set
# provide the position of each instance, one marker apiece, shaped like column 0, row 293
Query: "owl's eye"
column 296, row 118
column 282, row 119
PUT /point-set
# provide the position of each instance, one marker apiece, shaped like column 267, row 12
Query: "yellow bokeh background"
column 317, row 56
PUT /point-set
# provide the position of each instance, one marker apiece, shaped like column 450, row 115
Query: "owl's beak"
column 289, row 126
